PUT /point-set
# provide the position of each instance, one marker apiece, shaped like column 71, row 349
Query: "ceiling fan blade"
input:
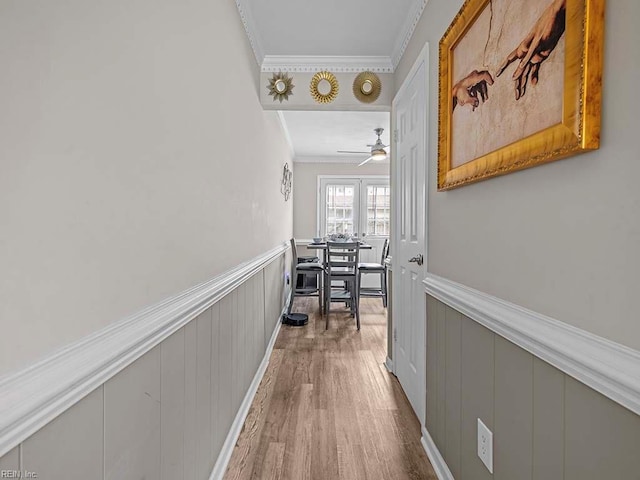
column 367, row 160
column 351, row 151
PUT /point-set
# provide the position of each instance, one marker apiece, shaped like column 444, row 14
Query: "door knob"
column 417, row 259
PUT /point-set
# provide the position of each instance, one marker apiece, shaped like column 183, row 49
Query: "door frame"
column 422, row 59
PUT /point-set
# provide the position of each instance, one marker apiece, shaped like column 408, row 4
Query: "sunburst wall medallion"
column 280, row 86
column 367, row 87
column 324, row 87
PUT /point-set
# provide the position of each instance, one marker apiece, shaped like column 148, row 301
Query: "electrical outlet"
column 485, row 445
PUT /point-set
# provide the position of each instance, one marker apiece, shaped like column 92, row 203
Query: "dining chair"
column 308, row 268
column 377, row 268
column 341, row 266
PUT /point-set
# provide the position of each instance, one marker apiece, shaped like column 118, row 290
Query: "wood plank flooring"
column 328, row 409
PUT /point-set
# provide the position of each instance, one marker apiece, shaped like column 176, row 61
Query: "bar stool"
column 305, row 269
column 342, row 266
column 378, row 268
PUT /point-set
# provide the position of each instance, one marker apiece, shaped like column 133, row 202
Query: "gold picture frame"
column 482, row 131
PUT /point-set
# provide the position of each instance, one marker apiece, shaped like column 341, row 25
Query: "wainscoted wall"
column 176, row 410
column 546, row 425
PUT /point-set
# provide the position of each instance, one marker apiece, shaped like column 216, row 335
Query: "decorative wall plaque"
column 324, row 87
column 280, row 86
column 367, row 87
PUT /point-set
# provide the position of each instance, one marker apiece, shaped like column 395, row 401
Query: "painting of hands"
column 512, row 46
column 532, row 51
column 520, row 84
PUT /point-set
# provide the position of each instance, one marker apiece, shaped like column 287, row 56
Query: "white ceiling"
column 319, row 135
column 330, row 27
column 366, row 34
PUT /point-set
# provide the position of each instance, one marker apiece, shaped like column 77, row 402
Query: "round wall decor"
column 324, row 87
column 280, row 86
column 367, row 87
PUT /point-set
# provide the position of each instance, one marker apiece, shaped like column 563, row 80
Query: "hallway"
column 328, row 409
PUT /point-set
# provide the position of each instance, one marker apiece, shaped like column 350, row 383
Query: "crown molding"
column 407, row 31
column 251, row 30
column 344, row 159
column 335, row 64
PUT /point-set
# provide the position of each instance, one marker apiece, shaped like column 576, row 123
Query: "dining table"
column 323, row 246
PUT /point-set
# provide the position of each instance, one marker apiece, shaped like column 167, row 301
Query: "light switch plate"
column 485, row 445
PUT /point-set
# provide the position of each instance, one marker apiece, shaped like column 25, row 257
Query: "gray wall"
column 545, row 424
column 125, row 171
column 560, row 239
column 166, row 415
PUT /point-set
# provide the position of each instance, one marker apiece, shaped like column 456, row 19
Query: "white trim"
column 32, row 397
column 437, row 461
column 407, row 32
column 316, row 63
column 287, row 135
column 354, row 159
column 388, row 363
column 251, row 30
column 400, row 318
column 607, row 367
column 224, row 456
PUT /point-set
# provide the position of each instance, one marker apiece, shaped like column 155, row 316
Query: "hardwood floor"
column 328, row 409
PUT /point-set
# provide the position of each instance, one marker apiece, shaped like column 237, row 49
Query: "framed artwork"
column 520, row 85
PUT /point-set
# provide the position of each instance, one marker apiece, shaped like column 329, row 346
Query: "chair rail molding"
column 32, row 397
column 606, row 366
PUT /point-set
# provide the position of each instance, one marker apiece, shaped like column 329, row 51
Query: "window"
column 339, row 202
column 354, row 205
column 378, row 210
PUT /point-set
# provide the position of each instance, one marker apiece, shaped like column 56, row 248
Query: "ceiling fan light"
column 378, row 155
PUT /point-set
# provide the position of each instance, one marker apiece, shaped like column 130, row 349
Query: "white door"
column 409, row 225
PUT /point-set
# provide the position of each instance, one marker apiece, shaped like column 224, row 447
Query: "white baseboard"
column 389, row 365
column 224, row 457
column 607, row 367
column 436, row 459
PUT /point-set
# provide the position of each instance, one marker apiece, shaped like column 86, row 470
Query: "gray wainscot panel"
column 168, row 414
column 453, row 397
column 546, row 425
column 172, row 408
column 602, row 439
column 11, row 460
column 71, row 446
column 548, row 417
column 513, row 423
column 132, row 420
column 477, row 395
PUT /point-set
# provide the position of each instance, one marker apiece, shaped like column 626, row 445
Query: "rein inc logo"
column 17, row 474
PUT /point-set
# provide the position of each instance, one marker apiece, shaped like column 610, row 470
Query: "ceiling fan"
column 377, row 152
